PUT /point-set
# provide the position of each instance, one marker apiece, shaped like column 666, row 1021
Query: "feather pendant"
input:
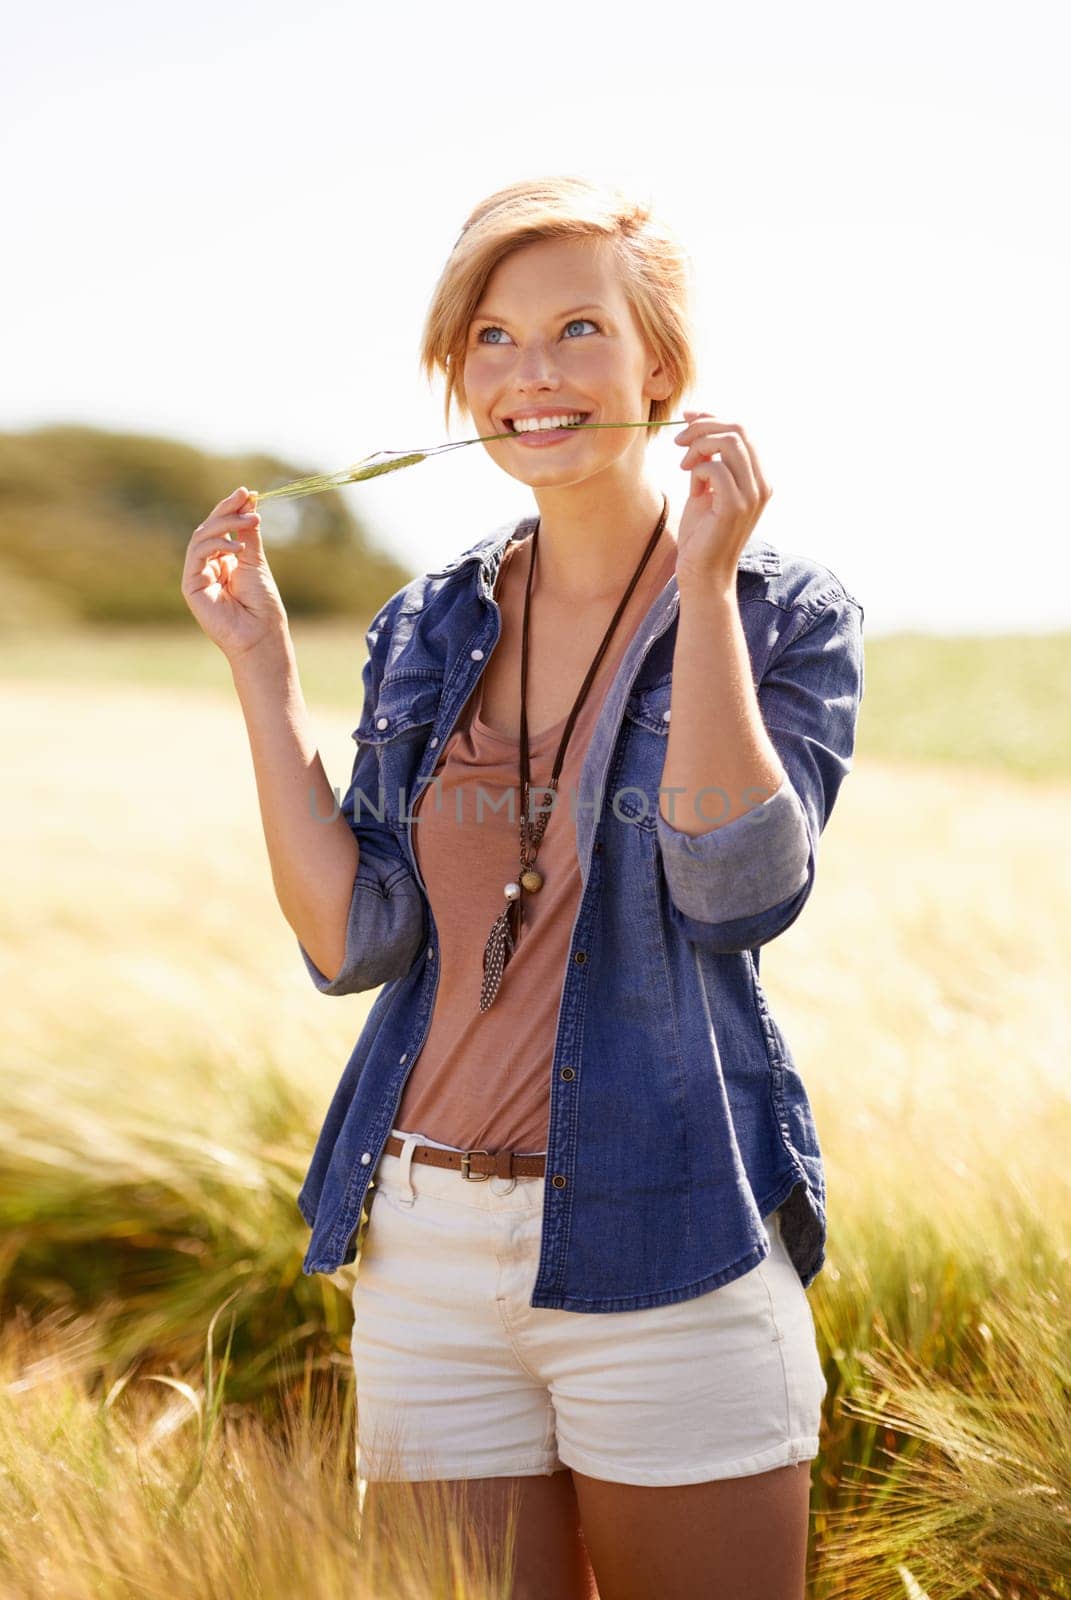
column 501, row 943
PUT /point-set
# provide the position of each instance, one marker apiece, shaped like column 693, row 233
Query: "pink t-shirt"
column 482, row 1079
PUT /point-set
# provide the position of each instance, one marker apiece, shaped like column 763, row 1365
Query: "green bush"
column 94, row 526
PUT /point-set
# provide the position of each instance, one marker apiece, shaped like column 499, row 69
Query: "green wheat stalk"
column 391, row 460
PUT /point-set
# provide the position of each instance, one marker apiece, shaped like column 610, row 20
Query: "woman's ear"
column 659, row 385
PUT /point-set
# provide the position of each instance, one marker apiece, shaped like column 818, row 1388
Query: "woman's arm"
column 740, row 882
column 340, row 878
column 313, row 860
column 773, row 761
column 342, row 884
column 719, row 758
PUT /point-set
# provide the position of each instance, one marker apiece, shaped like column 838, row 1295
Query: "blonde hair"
column 655, row 268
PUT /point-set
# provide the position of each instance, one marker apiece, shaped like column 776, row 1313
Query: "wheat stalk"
column 390, row 460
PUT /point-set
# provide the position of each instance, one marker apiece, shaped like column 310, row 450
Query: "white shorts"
column 457, row 1376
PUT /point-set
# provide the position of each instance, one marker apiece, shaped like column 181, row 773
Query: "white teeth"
column 532, row 424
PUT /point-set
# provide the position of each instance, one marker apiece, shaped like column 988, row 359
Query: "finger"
column 735, row 456
column 715, row 475
column 708, row 444
column 237, row 500
column 224, row 561
column 216, row 527
column 208, row 548
column 209, row 578
column 704, row 423
column 249, row 531
column 692, row 417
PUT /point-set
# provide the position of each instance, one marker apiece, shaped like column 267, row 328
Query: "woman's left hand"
column 728, row 497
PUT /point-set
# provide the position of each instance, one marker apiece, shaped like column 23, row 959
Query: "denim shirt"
column 677, row 1118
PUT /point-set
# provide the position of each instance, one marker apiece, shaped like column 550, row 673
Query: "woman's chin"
column 546, row 462
column 545, row 474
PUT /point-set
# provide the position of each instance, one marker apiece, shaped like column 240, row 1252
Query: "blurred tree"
column 94, row 525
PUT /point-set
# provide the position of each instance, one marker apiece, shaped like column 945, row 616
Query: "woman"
column 598, row 1197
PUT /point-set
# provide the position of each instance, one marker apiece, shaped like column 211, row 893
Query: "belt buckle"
column 480, row 1177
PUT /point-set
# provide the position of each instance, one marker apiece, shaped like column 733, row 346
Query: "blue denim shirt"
column 677, row 1118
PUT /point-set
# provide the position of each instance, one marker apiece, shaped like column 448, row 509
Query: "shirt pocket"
column 406, row 702
column 634, row 798
column 399, row 728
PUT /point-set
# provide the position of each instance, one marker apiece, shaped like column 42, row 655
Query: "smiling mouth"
column 560, row 429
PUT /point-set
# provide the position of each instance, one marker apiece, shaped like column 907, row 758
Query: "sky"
column 225, row 221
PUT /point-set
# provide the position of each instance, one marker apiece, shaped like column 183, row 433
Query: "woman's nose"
column 536, row 361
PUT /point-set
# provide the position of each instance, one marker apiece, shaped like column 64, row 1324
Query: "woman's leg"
column 736, row 1538
column 453, row 1432
column 689, row 1429
column 551, row 1560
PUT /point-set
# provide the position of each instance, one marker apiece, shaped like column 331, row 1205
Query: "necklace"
column 505, row 931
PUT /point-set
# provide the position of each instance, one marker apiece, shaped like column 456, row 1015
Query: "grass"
column 1000, row 703
column 176, row 1399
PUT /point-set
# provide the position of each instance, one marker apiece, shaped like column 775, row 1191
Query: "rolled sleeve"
column 738, row 886
column 743, row 867
column 385, row 926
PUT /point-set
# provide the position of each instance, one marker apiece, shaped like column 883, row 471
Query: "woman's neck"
column 588, row 553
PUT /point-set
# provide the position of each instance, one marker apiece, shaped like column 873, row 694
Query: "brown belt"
column 475, row 1165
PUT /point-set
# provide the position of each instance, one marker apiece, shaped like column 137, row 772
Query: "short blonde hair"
column 655, row 267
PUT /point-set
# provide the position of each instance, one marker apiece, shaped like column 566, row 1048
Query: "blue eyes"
column 493, row 328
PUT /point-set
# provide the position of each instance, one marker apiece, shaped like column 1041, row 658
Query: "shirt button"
column 477, row 655
column 558, row 1181
column 366, row 1158
column 403, row 1057
column 434, row 742
column 666, row 715
column 580, row 957
column 381, row 722
column 568, row 1074
column 431, row 952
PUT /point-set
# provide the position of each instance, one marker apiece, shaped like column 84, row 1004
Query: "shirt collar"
column 758, row 555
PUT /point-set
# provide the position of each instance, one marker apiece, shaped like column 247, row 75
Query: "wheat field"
column 175, row 1395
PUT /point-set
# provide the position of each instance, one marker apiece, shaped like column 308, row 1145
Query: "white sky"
column 224, row 222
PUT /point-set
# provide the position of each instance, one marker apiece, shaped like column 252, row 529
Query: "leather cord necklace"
column 502, row 940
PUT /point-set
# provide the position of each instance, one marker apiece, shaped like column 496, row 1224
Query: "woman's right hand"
column 230, row 589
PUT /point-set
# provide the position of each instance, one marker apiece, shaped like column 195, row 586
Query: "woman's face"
column 554, row 335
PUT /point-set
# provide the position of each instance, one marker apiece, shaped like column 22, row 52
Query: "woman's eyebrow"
column 571, row 311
